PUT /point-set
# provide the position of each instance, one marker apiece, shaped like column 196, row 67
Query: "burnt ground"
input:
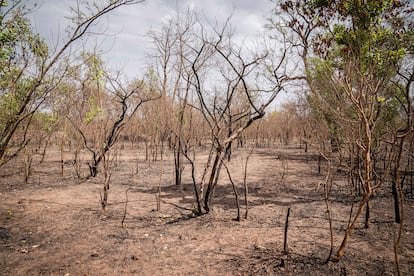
column 54, row 225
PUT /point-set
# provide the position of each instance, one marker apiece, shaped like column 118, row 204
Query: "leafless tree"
column 171, row 47
column 246, row 84
column 106, row 108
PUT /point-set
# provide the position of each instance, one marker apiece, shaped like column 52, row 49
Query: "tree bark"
column 210, row 185
column 341, row 251
column 396, row 197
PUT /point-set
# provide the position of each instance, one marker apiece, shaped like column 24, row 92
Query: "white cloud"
column 130, row 24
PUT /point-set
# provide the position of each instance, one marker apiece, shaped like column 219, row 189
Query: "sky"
column 125, row 46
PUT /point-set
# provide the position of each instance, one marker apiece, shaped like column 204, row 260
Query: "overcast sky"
column 128, row 47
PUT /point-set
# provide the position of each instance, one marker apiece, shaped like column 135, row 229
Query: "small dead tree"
column 102, row 109
column 246, row 84
column 189, row 154
column 236, row 195
column 171, row 43
column 125, row 207
column 246, row 187
column 107, row 179
column 28, row 161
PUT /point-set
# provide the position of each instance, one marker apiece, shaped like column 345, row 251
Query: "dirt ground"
column 54, row 225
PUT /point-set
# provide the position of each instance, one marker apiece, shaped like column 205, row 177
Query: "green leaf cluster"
column 356, row 71
column 91, row 114
column 43, row 120
column 22, row 55
column 94, row 111
column 95, row 67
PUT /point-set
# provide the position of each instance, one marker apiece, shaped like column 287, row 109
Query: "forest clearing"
column 246, row 143
column 55, row 226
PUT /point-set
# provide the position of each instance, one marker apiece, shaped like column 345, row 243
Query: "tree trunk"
column 285, row 236
column 341, row 251
column 396, row 198
column 62, row 149
column 44, row 150
column 228, row 151
column 196, row 192
column 177, row 163
column 104, row 199
column 246, row 189
column 236, row 195
column 93, row 170
column 210, row 185
column 367, row 214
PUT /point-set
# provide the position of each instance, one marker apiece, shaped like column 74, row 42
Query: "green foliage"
column 376, row 47
column 20, row 49
column 94, row 65
column 151, row 79
column 85, row 85
column 38, row 46
column 43, row 120
column 18, row 40
column 357, row 51
column 92, row 114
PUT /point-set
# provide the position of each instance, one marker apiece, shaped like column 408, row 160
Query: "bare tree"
column 102, row 108
column 171, row 46
column 247, row 83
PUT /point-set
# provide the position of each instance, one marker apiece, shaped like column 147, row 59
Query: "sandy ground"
column 54, row 225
